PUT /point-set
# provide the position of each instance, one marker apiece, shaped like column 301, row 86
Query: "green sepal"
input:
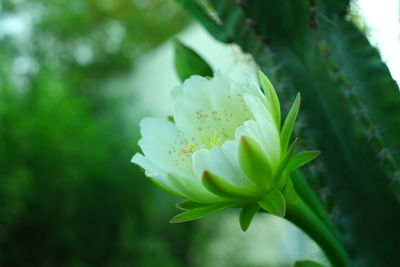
column 307, row 263
column 246, row 216
column 272, row 97
column 282, row 167
column 288, row 126
column 274, row 203
column 166, row 188
column 188, row 204
column 220, row 187
column 188, row 63
column 289, row 192
column 300, row 159
column 254, row 163
column 197, row 213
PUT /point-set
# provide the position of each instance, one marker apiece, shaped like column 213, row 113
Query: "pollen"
column 205, row 140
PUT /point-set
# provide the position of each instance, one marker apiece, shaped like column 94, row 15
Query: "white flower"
column 224, row 149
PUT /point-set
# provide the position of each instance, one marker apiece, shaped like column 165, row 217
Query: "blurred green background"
column 68, row 194
column 71, row 97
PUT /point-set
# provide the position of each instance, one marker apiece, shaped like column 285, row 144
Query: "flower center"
column 208, row 140
column 205, row 140
column 211, row 128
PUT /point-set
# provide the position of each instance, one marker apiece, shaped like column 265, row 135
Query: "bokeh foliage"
column 69, row 195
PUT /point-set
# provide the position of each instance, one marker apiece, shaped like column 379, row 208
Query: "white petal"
column 208, row 107
column 263, row 129
column 250, row 86
column 222, row 161
column 163, row 146
column 227, row 155
column 165, row 153
column 180, row 185
column 200, row 162
column 153, row 171
column 249, row 128
column 209, row 91
column 193, row 189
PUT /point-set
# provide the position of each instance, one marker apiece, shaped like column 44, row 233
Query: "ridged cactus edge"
column 351, row 109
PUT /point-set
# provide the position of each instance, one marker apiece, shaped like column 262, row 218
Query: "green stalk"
column 301, row 215
column 307, row 194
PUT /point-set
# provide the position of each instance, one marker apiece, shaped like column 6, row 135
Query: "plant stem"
column 307, row 194
column 300, row 214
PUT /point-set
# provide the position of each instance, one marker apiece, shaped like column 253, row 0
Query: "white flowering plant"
column 225, row 147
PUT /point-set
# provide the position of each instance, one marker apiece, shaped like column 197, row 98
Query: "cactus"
column 351, row 109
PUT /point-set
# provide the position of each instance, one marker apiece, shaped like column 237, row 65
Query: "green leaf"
column 246, row 216
column 301, row 159
column 274, row 203
column 287, row 128
column 220, row 187
column 307, row 263
column 189, row 205
column 201, row 212
column 254, row 163
column 272, row 98
column 188, row 63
